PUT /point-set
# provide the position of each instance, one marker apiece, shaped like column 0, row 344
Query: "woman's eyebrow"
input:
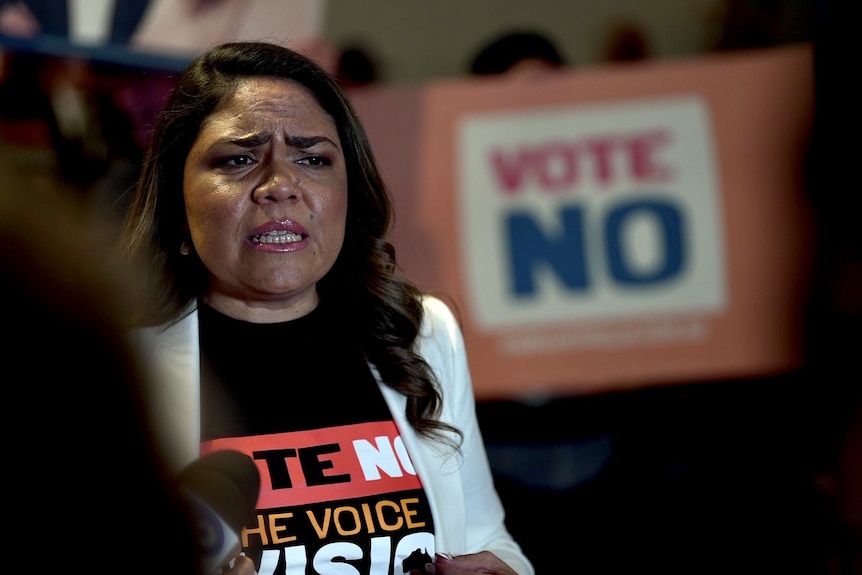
column 303, row 142
column 251, row 141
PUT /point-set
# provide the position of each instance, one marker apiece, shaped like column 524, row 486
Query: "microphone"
column 220, row 491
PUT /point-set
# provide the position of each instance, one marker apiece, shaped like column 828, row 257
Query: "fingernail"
column 445, row 556
column 430, row 569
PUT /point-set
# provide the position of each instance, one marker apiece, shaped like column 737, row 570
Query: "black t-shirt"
column 274, row 377
column 338, row 490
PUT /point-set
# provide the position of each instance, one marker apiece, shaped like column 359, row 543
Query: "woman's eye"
column 236, row 161
column 241, row 160
column 315, row 161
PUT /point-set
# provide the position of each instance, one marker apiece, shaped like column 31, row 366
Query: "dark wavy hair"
column 382, row 309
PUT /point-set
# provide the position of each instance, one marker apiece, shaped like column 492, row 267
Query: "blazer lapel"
column 173, row 399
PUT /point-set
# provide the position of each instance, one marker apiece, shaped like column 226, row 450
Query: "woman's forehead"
column 258, row 103
column 268, row 92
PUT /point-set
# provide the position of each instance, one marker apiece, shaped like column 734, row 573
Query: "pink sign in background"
column 714, row 145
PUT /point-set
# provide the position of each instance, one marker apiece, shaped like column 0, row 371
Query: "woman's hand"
column 470, row 564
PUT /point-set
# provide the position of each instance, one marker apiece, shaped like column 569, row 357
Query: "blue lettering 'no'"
column 565, row 252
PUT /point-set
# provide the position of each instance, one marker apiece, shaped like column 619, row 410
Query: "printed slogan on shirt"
column 341, row 500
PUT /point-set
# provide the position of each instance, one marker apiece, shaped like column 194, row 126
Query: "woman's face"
column 265, row 187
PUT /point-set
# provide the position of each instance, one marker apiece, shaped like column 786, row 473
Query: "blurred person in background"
column 356, row 67
column 522, row 53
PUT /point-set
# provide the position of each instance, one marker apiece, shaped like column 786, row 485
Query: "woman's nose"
column 277, row 186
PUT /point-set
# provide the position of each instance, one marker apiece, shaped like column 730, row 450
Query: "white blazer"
column 468, row 514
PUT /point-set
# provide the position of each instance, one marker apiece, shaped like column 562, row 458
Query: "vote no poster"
column 609, row 227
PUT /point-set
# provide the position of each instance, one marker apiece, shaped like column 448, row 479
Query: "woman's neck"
column 263, row 311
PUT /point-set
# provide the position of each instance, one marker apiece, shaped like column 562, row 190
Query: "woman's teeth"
column 277, row 237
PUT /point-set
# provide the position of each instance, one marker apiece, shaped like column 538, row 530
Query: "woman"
column 281, row 328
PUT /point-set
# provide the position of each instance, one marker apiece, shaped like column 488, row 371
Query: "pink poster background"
column 761, row 106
